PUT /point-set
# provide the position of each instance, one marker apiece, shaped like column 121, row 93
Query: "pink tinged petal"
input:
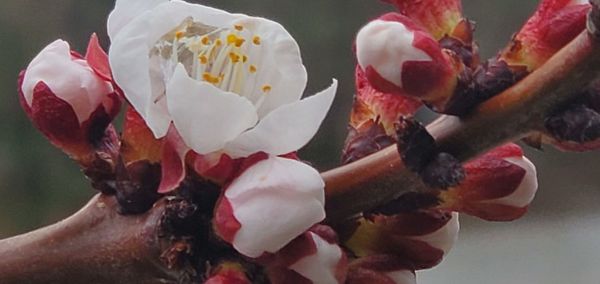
column 320, row 267
column 402, row 277
column 444, row 238
column 70, row 79
column 525, row 192
column 287, row 128
column 385, row 46
column 207, row 117
column 98, row 59
column 275, row 200
column 127, row 10
column 225, row 224
column 172, row 162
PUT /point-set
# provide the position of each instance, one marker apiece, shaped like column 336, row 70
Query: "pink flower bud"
column 420, row 239
column 68, row 97
column 554, row 24
column 270, row 203
column 399, row 57
column 313, row 257
column 439, row 17
column 499, row 186
column 381, row 269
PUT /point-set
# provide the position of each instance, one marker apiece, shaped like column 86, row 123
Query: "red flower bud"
column 499, row 186
column 381, row 269
column 228, row 273
column 69, row 98
column 399, row 57
column 554, row 24
column 439, row 17
column 419, row 239
column 313, row 257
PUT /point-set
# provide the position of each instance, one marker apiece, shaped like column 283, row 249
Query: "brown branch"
column 95, row 245
column 382, row 177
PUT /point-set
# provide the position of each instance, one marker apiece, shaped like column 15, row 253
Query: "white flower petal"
column 287, row 128
column 205, row 116
column 385, row 46
column 127, row 10
column 275, row 200
column 141, row 80
column 320, row 268
column 279, row 65
column 71, row 80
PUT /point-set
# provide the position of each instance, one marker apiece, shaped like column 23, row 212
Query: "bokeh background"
column 557, row 242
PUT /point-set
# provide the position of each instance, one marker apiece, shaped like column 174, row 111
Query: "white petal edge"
column 71, row 80
column 130, row 61
column 127, row 10
column 206, row 117
column 527, row 189
column 444, row 238
column 275, row 201
column 386, row 46
column 402, row 277
column 286, row 129
column 320, row 268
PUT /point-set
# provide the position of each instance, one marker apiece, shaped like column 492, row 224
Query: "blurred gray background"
column 557, row 242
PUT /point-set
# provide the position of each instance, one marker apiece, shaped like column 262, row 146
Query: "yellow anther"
column 244, row 58
column 235, row 40
column 203, row 59
column 235, row 58
column 253, row 69
column 256, row 40
column 179, row 34
column 218, row 42
column 210, row 78
column 267, row 88
column 205, row 40
column 239, row 27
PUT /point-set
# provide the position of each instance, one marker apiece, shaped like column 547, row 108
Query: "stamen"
column 239, row 27
column 210, row 78
column 244, row 58
column 256, row 40
column 235, row 40
column 267, row 88
column 235, row 58
column 179, row 34
column 203, row 59
column 205, row 40
column 253, row 69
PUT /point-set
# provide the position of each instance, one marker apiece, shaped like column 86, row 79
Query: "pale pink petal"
column 70, row 79
column 526, row 191
column 385, row 46
column 320, row 267
column 275, row 200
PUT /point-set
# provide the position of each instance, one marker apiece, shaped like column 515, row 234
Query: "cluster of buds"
column 425, row 55
column 554, row 24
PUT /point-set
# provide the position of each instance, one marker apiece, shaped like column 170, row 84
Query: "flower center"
column 223, row 57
